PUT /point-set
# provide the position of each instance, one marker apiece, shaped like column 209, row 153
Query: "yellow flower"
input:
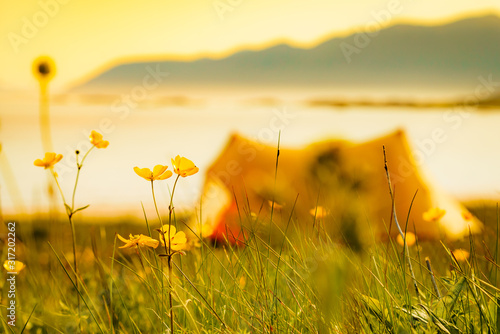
column 318, row 212
column 138, row 240
column 243, row 282
column 44, row 68
column 433, row 215
column 275, row 205
column 159, row 172
column 183, row 166
column 96, row 139
column 461, row 254
column 49, row 160
column 177, row 240
column 13, row 266
column 410, row 239
column 467, row 215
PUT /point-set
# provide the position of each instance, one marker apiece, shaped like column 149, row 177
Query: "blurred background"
column 161, row 78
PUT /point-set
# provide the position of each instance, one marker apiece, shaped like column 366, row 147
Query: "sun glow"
column 85, row 38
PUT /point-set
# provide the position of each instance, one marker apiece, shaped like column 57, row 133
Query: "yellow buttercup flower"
column 159, row 172
column 138, row 240
column 177, row 240
column 243, row 282
column 96, row 139
column 13, row 266
column 49, row 160
column 467, row 215
column 318, row 212
column 44, row 68
column 410, row 239
column 433, row 215
column 461, row 254
column 183, row 166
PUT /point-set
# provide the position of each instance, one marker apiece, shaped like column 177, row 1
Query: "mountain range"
column 403, row 55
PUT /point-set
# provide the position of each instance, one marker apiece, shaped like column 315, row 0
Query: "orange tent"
column 336, row 186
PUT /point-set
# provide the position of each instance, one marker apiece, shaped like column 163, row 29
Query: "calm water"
column 466, row 161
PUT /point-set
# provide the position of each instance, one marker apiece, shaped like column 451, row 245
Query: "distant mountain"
column 450, row 55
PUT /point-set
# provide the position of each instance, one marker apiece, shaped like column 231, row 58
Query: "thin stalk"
column 170, row 293
column 433, row 279
column 406, row 250
column 70, row 211
column 58, row 185
column 170, row 210
column 166, row 252
column 79, row 167
column 158, row 214
column 70, row 217
column 73, row 238
column 45, row 117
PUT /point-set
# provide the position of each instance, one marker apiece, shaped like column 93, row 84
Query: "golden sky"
column 85, row 36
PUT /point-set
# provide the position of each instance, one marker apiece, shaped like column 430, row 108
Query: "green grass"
column 299, row 284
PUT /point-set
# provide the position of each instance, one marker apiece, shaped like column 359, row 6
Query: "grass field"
column 306, row 284
column 80, row 278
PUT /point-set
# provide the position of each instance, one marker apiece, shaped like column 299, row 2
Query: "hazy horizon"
column 64, row 36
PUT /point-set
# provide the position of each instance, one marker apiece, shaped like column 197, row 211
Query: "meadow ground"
column 300, row 284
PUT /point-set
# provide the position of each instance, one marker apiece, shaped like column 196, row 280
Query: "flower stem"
column 79, row 167
column 58, row 186
column 170, row 293
column 73, row 237
column 170, row 210
column 75, row 263
column 158, row 214
column 45, row 117
column 161, row 224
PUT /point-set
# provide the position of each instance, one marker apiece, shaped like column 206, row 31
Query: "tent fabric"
column 345, row 179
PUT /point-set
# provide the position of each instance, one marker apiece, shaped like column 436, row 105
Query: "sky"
column 86, row 37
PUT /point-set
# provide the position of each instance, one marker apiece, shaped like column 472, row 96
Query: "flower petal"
column 165, row 231
column 95, row 137
column 39, row 163
column 49, row 160
column 179, row 237
column 17, row 267
column 178, row 247
column 175, row 164
column 433, row 214
column 144, row 173
column 166, row 228
column 102, row 144
column 178, row 242
column 144, row 240
column 165, row 175
column 410, row 239
column 186, row 164
column 122, row 238
column 461, row 254
column 190, row 171
column 183, row 166
column 158, row 170
column 49, row 157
